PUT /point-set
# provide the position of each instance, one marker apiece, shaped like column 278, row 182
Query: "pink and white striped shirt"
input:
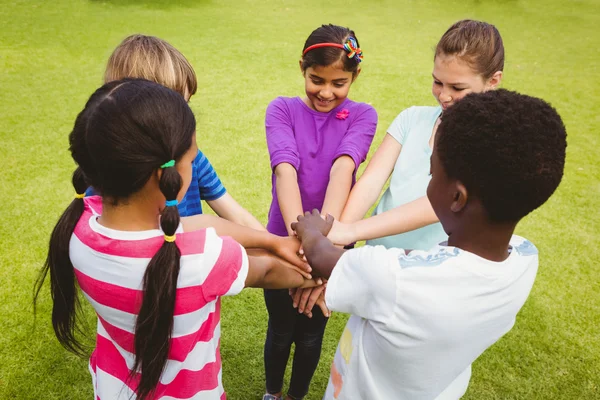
column 110, row 265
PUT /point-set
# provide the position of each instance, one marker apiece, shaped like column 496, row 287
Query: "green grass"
column 52, row 56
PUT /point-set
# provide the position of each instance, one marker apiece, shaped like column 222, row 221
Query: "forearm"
column 321, row 254
column 247, row 237
column 288, row 195
column 268, row 272
column 338, row 189
column 248, row 220
column 405, row 218
column 228, row 208
column 361, row 198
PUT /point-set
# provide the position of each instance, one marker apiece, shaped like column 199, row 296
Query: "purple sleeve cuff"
column 285, row 156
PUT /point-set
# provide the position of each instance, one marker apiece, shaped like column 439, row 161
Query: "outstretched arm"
column 268, row 272
column 284, row 247
column 369, row 186
column 321, row 254
column 404, row 218
column 226, row 207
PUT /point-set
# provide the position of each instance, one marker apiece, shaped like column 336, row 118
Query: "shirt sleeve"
column 358, row 139
column 281, row 141
column 363, row 283
column 228, row 274
column 400, row 125
column 209, row 184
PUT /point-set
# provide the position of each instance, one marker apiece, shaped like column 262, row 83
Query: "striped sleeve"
column 209, row 184
column 228, row 275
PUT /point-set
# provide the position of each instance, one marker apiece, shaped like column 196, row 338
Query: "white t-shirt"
column 419, row 320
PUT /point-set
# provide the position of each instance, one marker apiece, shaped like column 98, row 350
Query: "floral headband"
column 351, row 47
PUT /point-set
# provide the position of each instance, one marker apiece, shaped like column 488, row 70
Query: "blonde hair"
column 151, row 58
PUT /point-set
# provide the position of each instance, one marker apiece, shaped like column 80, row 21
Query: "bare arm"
column 322, row 255
column 226, row 207
column 338, row 189
column 265, row 271
column 284, row 247
column 369, row 186
column 404, row 218
column 288, row 194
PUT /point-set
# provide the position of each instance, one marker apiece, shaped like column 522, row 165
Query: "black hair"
column 325, row 56
column 508, row 149
column 127, row 130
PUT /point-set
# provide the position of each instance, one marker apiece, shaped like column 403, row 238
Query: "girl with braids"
column 316, row 143
column 154, row 280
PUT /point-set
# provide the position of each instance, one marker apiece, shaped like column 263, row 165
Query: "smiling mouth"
column 324, row 101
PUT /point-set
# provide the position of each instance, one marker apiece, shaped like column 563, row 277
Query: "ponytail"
column 154, row 324
column 62, row 277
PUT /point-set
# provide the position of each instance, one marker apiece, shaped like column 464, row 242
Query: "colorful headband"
column 168, row 164
column 170, row 239
column 351, row 47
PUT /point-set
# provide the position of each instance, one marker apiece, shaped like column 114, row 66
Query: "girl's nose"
column 326, row 92
column 445, row 97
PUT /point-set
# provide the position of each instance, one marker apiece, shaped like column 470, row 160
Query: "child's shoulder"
column 421, row 112
column 283, row 101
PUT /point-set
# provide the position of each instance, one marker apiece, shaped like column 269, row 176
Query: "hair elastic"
column 168, row 164
column 79, row 195
column 351, row 47
column 170, row 239
column 171, row 203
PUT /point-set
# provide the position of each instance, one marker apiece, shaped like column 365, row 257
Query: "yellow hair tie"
column 169, row 239
column 79, row 195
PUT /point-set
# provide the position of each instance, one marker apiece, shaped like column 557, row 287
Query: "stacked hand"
column 305, row 299
column 287, row 248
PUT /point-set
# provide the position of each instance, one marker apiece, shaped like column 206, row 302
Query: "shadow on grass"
column 155, row 4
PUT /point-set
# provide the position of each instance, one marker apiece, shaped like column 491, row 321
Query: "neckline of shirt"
column 125, row 235
column 319, row 113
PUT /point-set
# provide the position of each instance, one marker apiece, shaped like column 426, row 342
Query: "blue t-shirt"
column 205, row 185
column 412, row 129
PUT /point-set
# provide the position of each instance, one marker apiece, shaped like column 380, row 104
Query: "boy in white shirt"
column 419, row 319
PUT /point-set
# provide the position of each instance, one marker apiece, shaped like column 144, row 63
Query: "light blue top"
column 412, row 129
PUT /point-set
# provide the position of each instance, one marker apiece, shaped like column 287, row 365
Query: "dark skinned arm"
column 321, row 254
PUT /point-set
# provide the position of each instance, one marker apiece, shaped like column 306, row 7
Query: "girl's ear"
column 300, row 64
column 495, row 80
column 460, row 198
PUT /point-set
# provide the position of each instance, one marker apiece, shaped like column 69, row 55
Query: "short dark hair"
column 325, row 56
column 508, row 149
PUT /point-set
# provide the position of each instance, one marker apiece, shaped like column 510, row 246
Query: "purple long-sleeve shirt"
column 311, row 141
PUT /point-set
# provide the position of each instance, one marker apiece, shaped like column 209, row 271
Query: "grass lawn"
column 245, row 53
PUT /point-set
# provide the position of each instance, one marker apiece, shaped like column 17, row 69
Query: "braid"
column 155, row 319
column 63, row 289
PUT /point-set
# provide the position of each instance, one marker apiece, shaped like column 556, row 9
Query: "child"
column 316, row 143
column 148, row 57
column 155, row 281
column 469, row 58
column 420, row 319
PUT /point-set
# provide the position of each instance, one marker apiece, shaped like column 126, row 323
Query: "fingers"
column 302, row 272
column 313, row 298
column 304, row 299
column 296, row 297
column 323, row 307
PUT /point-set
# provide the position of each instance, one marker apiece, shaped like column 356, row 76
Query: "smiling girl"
column 469, row 58
column 316, row 143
